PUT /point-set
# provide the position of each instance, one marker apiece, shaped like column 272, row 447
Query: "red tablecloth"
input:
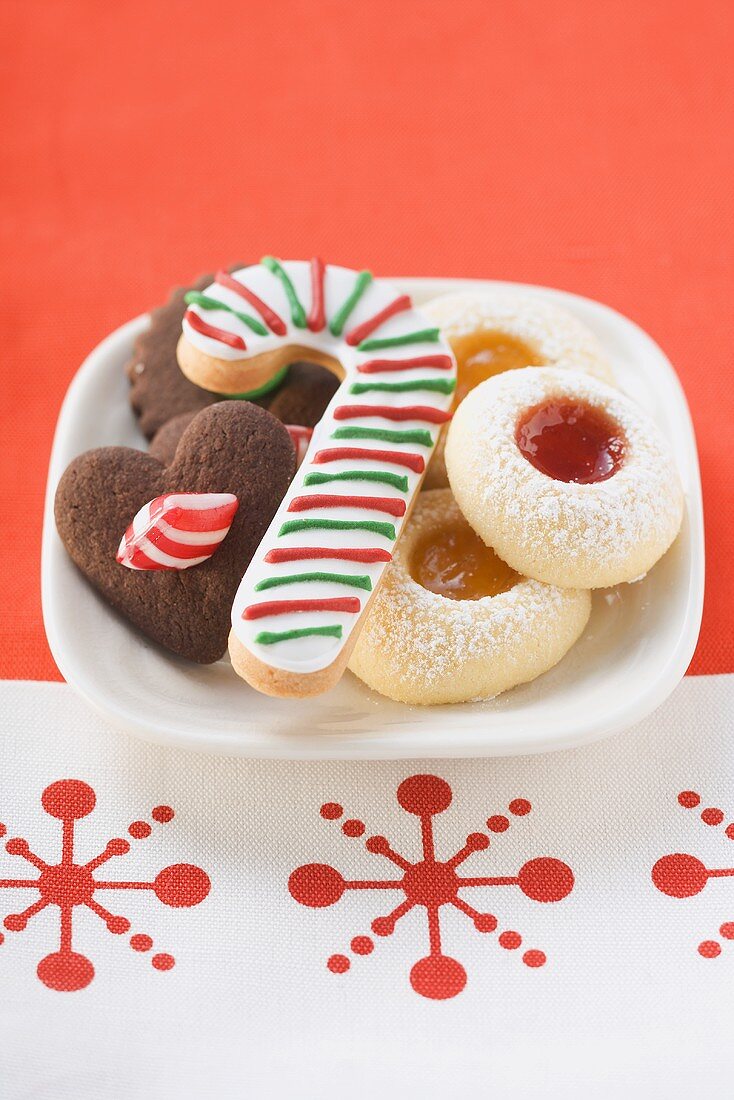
column 584, row 146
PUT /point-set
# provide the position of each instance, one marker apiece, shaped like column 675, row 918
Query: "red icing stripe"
column 367, row 554
column 393, row 412
column 413, row 462
column 269, row 316
column 350, row 604
column 391, row 505
column 219, row 334
column 361, row 332
column 317, row 317
column 376, row 366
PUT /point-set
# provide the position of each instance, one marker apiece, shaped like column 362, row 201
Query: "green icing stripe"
column 298, row 313
column 387, row 435
column 270, row 637
column 340, row 318
column 398, row 481
column 376, row 527
column 194, row 298
column 438, row 385
column 295, row 578
column 423, row 336
column 273, row 384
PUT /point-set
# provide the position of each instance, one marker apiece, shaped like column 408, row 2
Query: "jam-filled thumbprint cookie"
column 452, row 622
column 570, row 481
column 494, row 331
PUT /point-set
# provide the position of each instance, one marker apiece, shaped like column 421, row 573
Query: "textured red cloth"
column 584, row 146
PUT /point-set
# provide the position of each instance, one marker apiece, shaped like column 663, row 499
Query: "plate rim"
column 461, row 742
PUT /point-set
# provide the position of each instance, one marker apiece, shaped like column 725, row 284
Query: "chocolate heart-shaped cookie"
column 231, row 447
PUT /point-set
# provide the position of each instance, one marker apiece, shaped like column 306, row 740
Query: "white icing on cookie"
column 394, row 464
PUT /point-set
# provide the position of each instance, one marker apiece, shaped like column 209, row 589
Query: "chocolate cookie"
column 159, row 390
column 165, row 441
column 233, row 447
column 304, row 395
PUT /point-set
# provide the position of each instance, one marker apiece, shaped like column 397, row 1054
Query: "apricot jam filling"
column 571, row 441
column 454, row 562
column 481, row 355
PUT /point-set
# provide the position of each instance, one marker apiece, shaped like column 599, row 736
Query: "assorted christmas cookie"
column 570, row 481
column 303, row 600
column 164, row 443
column 160, row 392
column 452, row 622
column 299, row 537
column 303, row 396
column 491, row 332
column 166, row 544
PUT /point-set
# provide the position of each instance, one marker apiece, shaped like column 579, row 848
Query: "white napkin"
column 234, row 995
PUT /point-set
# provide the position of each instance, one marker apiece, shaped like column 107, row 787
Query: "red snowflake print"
column 72, row 886
column 430, row 884
column 683, row 876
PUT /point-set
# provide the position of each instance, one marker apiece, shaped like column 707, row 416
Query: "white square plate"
column 635, row 650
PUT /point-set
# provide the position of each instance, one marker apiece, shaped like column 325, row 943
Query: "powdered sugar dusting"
column 418, row 625
column 409, row 626
column 613, row 530
column 555, row 335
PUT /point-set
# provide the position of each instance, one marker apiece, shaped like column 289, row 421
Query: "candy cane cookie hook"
column 304, row 596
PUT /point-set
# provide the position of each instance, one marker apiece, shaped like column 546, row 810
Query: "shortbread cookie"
column 302, row 601
column 233, row 448
column 452, row 622
column 568, row 480
column 159, row 391
column 492, row 331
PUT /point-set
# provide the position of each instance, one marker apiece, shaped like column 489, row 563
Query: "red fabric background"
column 583, row 145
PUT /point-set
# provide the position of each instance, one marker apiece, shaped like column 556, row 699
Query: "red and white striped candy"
column 177, row 530
column 300, row 437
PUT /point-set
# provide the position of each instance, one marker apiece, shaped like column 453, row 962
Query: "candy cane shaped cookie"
column 303, row 599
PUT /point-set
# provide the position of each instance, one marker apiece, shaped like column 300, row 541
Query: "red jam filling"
column 571, row 441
